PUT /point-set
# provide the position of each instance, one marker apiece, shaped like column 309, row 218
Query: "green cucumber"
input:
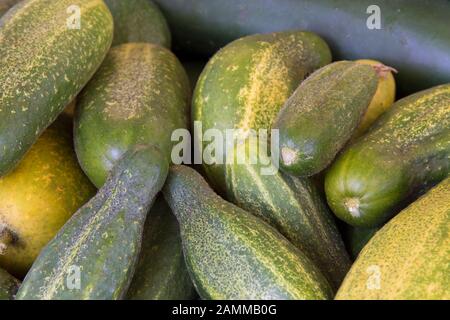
column 294, row 207
column 322, row 115
column 404, row 154
column 247, row 82
column 139, row 96
column 161, row 273
column 5, row 5
column 230, row 253
column 409, row 258
column 356, row 238
column 8, row 285
column 413, row 36
column 138, row 21
column 244, row 86
column 45, row 60
column 94, row 255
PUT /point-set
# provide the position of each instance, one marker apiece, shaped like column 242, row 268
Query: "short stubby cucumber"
column 230, row 253
column 409, row 258
column 322, row 114
column 48, row 51
column 161, row 273
column 140, row 95
column 403, row 155
column 138, row 21
column 94, row 255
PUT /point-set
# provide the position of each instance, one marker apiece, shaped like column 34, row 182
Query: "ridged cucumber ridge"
column 138, row 21
column 230, row 253
column 161, row 272
column 44, row 64
column 294, row 207
column 409, row 258
column 322, row 114
column 409, row 151
column 8, row 285
column 246, row 83
column 139, row 95
column 102, row 240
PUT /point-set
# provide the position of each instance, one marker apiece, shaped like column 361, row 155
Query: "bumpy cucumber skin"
column 139, row 96
column 161, row 272
column 5, row 5
column 244, row 86
column 247, row 82
column 230, row 253
column 103, row 238
column 44, row 64
column 322, row 114
column 409, row 255
column 8, row 285
column 294, row 207
column 138, row 21
column 405, row 153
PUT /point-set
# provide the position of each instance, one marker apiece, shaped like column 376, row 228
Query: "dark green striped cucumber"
column 5, row 5
column 138, row 21
column 161, row 273
column 406, row 152
column 413, row 35
column 322, row 114
column 48, row 51
column 139, row 96
column 94, row 255
column 8, row 285
column 294, row 207
column 230, row 253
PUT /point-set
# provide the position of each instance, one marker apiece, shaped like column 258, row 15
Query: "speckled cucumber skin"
column 411, row 254
column 139, row 96
column 161, row 273
column 5, row 5
column 247, row 82
column 8, row 285
column 404, row 154
column 244, row 86
column 230, row 253
column 295, row 208
column 103, row 238
column 138, row 21
column 44, row 64
column 322, row 114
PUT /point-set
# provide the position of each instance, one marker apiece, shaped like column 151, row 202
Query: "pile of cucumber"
column 357, row 204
